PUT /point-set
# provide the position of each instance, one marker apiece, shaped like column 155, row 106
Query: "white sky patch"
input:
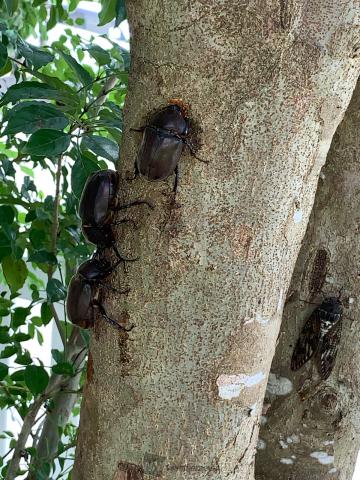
column 280, row 301
column 286, row 461
column 278, row 385
column 298, row 215
column 230, row 386
column 323, row 457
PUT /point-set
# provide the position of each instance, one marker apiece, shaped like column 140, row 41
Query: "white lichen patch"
column 283, row 444
column 328, row 442
column 293, row 439
column 262, row 320
column 333, row 470
column 278, row 385
column 261, row 444
column 298, row 215
column 230, row 386
column 323, row 457
column 286, row 461
column 263, row 420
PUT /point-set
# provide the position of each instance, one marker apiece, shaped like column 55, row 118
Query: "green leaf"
column 47, row 142
column 53, row 18
column 35, row 90
column 101, row 146
column 46, row 313
column 82, row 168
column 100, row 55
column 35, row 56
column 12, row 6
column 4, row 334
column 23, row 358
column 8, row 351
column 15, row 272
column 18, row 376
column 4, row 370
column 36, row 3
column 19, row 316
column 42, row 256
column 3, row 55
column 21, row 337
column 36, row 379
column 82, row 74
column 55, row 290
column 27, row 117
column 64, row 368
column 120, row 11
column 108, row 11
column 58, row 356
column 5, row 246
column 7, row 215
column 6, row 68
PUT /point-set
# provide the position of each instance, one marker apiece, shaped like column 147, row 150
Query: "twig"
column 23, row 436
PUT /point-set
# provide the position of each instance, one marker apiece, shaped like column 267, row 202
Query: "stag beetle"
column 83, row 291
column 163, row 141
column 98, row 203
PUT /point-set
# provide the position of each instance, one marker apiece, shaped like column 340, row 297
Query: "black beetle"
column 98, row 203
column 164, row 139
column 82, row 300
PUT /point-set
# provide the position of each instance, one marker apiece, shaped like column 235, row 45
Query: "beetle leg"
column 177, row 178
column 193, row 151
column 113, row 322
column 122, row 257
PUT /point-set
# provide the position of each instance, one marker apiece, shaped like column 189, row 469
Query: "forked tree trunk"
column 313, row 430
column 267, row 84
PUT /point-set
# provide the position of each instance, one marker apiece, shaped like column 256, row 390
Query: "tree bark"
column 313, row 431
column 179, row 397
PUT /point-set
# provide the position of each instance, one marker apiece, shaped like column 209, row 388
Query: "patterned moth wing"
column 308, row 340
column 328, row 350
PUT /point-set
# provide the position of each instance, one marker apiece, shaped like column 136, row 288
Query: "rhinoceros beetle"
column 98, row 203
column 82, row 298
column 164, row 139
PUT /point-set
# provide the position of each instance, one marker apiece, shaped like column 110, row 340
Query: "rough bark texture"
column 315, row 422
column 267, row 83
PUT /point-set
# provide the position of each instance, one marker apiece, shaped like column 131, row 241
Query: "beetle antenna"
column 123, row 257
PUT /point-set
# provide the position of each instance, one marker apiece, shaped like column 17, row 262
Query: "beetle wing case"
column 159, row 153
column 98, row 195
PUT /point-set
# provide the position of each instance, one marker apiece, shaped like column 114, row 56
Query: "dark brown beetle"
column 164, row 139
column 98, row 203
column 82, row 298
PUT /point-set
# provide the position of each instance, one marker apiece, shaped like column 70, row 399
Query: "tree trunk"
column 313, row 431
column 179, row 397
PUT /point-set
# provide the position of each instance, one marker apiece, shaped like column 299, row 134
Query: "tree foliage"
column 62, row 119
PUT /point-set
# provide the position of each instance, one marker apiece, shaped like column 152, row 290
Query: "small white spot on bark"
column 298, row 215
column 351, row 300
column 262, row 320
column 280, row 301
column 263, row 420
column 230, row 386
column 293, row 456
column 261, row 445
column 333, row 470
column 328, row 442
column 293, row 439
column 322, row 175
column 283, row 444
column 323, row 457
column 278, row 385
column 286, row 461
